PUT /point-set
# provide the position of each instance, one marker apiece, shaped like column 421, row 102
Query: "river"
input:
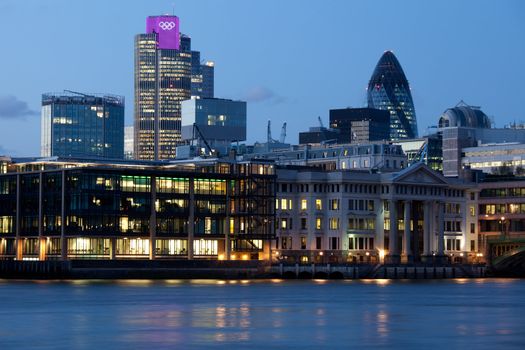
column 319, row 314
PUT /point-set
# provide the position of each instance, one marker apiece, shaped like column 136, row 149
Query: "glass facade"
column 111, row 212
column 162, row 82
column 388, row 89
column 80, row 125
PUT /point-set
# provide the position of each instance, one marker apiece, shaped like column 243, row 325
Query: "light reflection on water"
column 481, row 313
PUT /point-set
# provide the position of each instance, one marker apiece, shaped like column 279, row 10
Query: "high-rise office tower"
column 162, row 81
column 82, row 125
column 202, row 77
column 388, row 89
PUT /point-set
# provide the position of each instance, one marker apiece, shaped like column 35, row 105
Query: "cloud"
column 11, row 108
column 263, row 94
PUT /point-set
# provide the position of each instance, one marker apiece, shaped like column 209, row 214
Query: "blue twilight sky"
column 292, row 60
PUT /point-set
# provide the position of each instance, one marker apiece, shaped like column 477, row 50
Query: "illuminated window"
column 334, row 223
column 318, row 204
column 318, row 223
column 304, row 204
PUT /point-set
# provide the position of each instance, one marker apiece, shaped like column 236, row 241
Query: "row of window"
column 506, row 208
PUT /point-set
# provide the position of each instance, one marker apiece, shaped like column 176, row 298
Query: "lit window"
column 304, row 204
column 318, row 204
column 318, row 223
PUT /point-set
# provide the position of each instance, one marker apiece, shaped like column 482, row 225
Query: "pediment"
column 420, row 174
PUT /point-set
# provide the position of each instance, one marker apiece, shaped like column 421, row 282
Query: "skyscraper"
column 388, row 89
column 202, row 77
column 82, row 125
column 162, row 81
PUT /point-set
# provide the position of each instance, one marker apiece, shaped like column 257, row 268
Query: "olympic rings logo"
column 167, row 25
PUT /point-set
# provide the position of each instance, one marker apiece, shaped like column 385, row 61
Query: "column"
column 191, row 218
column 380, row 225
column 41, row 239
column 393, row 248
column 153, row 220
column 427, row 217
column 63, row 240
column 227, row 244
column 18, row 240
column 441, row 228
column 407, row 251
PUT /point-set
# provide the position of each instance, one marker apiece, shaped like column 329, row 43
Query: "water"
column 472, row 314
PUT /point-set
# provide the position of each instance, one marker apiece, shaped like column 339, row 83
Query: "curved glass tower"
column 388, row 90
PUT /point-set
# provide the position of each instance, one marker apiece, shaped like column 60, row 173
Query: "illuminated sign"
column 167, row 29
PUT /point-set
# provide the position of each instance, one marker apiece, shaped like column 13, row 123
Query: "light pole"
column 502, row 222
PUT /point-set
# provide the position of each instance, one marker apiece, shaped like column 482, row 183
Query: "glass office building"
column 71, row 209
column 202, row 77
column 166, row 73
column 82, row 125
column 388, row 89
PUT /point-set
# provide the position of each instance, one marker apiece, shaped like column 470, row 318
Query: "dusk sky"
column 291, row 60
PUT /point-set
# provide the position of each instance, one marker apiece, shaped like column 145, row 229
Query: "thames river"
column 319, row 314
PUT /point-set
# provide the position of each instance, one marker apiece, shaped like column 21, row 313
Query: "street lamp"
column 502, row 222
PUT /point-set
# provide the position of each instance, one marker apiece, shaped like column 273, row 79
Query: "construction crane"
column 196, row 128
column 320, row 122
column 283, row 133
column 269, row 138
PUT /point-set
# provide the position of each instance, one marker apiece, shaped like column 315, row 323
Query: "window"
column 472, row 211
column 334, row 204
column 284, row 224
column 284, row 204
column 303, row 242
column 303, row 223
column 304, row 204
column 318, row 204
column 334, row 242
column 334, row 223
column 472, row 245
column 318, row 223
column 472, row 228
column 318, row 242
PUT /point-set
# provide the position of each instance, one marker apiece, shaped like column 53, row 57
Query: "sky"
column 292, row 60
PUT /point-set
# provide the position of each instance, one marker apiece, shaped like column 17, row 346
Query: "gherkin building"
column 388, row 90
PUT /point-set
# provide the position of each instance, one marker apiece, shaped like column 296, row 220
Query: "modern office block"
column 163, row 70
column 64, row 209
column 388, row 90
column 378, row 121
column 202, row 77
column 82, row 125
column 219, row 121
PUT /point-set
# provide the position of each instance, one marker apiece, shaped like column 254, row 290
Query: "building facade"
column 350, row 122
column 501, row 208
column 163, row 73
column 202, row 77
column 380, row 157
column 219, row 122
column 351, row 216
column 68, row 209
column 388, row 90
column 82, row 125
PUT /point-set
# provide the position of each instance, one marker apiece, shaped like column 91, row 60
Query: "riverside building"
column 79, row 209
column 410, row 215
